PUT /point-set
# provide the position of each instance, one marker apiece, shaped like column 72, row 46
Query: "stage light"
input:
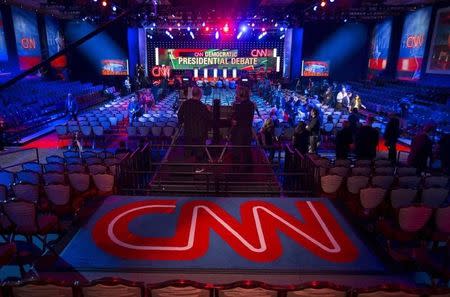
column 217, row 35
column 253, row 24
column 95, row 0
column 203, row 24
column 226, row 28
column 264, row 29
column 170, row 28
column 276, row 25
column 239, row 35
column 262, row 35
column 207, row 29
column 243, row 28
column 282, row 36
column 323, row 3
column 104, row 3
column 281, row 29
column 189, row 29
column 331, row 1
column 315, row 8
column 345, row 20
column 178, row 24
column 192, row 35
column 114, row 8
column 168, row 34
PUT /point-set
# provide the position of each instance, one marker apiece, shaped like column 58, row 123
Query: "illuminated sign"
column 255, row 235
column 414, row 41
column 161, row 71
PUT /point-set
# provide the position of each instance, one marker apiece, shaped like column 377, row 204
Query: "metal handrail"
column 36, row 159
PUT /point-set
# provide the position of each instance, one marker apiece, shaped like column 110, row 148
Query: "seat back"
column 27, row 192
column 442, row 219
column 247, row 292
column 413, row 218
column 406, row 171
column 32, row 166
column 79, row 181
column 370, row 198
column 55, row 159
column 382, row 181
column 384, row 171
column 331, row 183
column 97, row 169
column 355, row 183
column 409, row 182
column 53, row 178
column 58, row 194
column 28, row 177
column 339, row 170
column 434, row 197
column 22, row 214
column 6, row 178
column 402, row 197
column 54, row 167
column 41, row 290
column 436, row 181
column 361, row 171
column 113, row 287
column 104, row 182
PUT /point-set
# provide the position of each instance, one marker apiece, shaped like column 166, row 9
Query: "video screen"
column 188, row 59
column 379, row 47
column 27, row 38
column 439, row 57
column 315, row 68
column 55, row 41
column 115, row 67
column 412, row 47
column 3, row 49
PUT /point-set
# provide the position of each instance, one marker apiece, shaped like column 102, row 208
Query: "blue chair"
column 32, row 166
column 71, row 154
column 28, row 177
column 55, row 159
column 54, row 167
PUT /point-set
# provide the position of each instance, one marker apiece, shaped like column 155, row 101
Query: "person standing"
column 268, row 135
column 72, row 106
column 242, row 125
column 391, row 135
column 314, row 129
column 344, row 138
column 421, row 149
column 127, row 85
column 133, row 110
column 196, row 118
column 342, row 99
column 366, row 141
column 301, row 138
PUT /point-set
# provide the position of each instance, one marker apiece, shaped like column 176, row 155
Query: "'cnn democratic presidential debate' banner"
column 55, row 41
column 439, row 57
column 3, row 49
column 379, row 47
column 412, row 47
column 27, row 38
column 183, row 59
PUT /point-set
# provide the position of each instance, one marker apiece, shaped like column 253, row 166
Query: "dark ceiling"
column 167, row 13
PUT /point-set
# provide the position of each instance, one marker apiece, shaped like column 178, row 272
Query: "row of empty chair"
column 121, row 287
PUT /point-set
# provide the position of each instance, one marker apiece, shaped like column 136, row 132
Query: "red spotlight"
column 207, row 29
column 226, row 28
column 323, row 3
column 104, row 3
column 170, row 28
column 263, row 29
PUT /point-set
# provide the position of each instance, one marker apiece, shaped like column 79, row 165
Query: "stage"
column 282, row 235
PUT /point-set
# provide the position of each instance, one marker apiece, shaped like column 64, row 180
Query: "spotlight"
column 178, row 24
column 282, row 36
column 95, row 0
column 345, row 20
column 189, row 29
column 331, row 1
column 281, row 29
column 207, row 29
column 253, row 24
column 315, row 8
column 104, row 3
column 192, row 34
column 239, row 35
column 168, row 34
column 203, row 24
column 264, row 29
column 170, row 28
column 217, row 35
column 226, row 28
column 323, row 3
column 114, row 8
column 243, row 28
column 276, row 25
column 262, row 35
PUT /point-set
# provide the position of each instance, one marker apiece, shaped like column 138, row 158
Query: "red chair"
column 388, row 291
column 41, row 288
column 112, row 287
column 248, row 288
column 318, row 289
column 180, row 288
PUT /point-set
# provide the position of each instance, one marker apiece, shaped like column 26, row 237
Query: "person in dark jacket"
column 196, row 119
column 344, row 138
column 421, row 149
column 301, row 138
column 391, row 135
column 366, row 141
column 314, row 130
column 242, row 125
column 72, row 106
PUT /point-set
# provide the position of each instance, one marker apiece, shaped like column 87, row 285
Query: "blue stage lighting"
column 192, row 34
column 240, row 34
column 262, row 35
column 168, row 34
column 189, row 29
column 114, row 8
column 331, row 1
column 315, row 8
column 243, row 28
column 217, row 35
column 282, row 36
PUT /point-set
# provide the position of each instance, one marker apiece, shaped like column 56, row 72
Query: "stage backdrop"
column 412, row 46
column 190, row 54
column 55, row 41
column 3, row 49
column 27, row 38
column 439, row 55
column 379, row 47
